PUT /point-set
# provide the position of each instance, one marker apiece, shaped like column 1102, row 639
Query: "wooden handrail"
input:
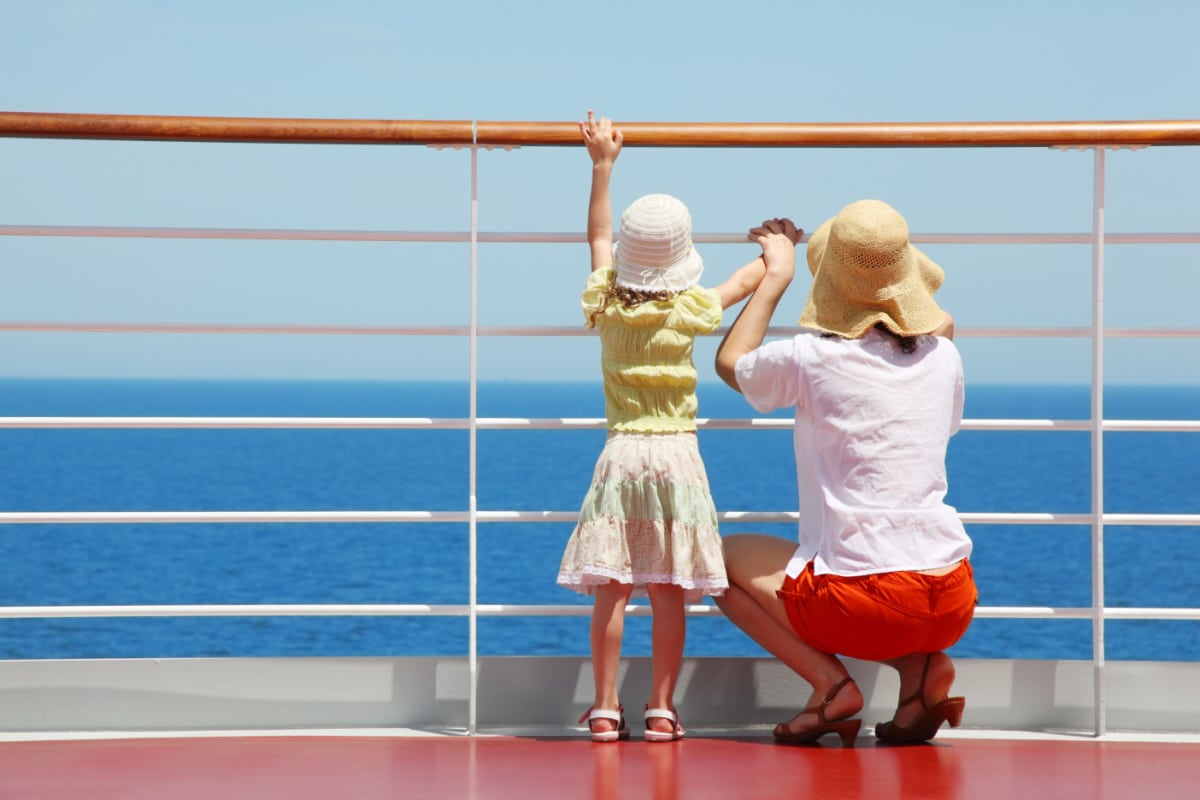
column 856, row 134
column 1135, row 133
column 236, row 129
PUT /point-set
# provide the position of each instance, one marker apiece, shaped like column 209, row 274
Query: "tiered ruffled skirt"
column 648, row 517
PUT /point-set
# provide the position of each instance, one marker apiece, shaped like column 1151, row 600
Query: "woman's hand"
column 602, row 139
column 778, row 238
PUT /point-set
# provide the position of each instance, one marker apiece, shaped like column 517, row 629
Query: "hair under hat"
column 654, row 250
column 865, row 271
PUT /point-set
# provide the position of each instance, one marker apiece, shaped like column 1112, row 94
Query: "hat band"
column 682, row 274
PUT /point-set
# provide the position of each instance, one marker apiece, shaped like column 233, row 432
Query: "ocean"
column 750, row 470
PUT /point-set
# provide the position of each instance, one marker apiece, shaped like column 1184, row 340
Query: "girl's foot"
column 662, row 725
column 606, row 725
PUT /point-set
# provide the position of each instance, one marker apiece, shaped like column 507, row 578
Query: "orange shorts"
column 882, row 616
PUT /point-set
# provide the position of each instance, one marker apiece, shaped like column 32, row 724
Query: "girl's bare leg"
column 667, row 636
column 756, row 564
column 608, row 627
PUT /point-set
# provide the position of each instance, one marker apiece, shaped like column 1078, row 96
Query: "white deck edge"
column 524, row 695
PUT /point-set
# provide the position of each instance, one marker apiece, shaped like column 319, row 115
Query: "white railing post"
column 473, row 511
column 1097, row 435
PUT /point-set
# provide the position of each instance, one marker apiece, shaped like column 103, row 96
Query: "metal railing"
column 474, row 136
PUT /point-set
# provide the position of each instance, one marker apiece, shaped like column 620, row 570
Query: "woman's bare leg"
column 938, row 681
column 668, row 632
column 756, row 564
column 608, row 627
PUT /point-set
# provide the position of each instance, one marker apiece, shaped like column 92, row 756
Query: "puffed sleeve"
column 699, row 310
column 769, row 376
column 594, row 291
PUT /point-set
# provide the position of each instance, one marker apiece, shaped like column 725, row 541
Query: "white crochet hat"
column 654, row 249
column 865, row 270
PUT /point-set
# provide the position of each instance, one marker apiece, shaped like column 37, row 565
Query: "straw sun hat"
column 865, row 271
column 654, row 249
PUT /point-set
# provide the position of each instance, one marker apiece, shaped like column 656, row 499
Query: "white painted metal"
column 1097, row 440
column 544, row 696
column 215, row 517
column 472, row 525
column 490, row 237
column 19, row 326
column 528, row 423
column 502, row 610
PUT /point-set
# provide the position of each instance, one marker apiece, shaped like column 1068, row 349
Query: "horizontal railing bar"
column 233, row 328
column 522, row 423
column 234, row 129
column 852, row 134
column 223, row 517
column 1152, row 613
column 1109, row 612
column 1099, row 133
column 500, row 610
column 285, row 234
column 303, row 234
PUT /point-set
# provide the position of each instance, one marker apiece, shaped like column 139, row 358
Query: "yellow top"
column 646, row 355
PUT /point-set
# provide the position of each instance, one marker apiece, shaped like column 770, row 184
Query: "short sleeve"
column 769, row 376
column 594, row 291
column 699, row 310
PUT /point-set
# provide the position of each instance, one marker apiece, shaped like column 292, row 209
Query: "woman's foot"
column 922, row 709
column 831, row 715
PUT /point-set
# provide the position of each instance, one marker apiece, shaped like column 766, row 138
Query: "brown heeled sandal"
column 846, row 728
column 927, row 723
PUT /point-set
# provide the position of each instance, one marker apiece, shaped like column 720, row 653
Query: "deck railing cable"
column 1096, row 136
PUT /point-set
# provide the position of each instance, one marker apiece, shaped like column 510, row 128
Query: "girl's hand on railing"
column 602, row 139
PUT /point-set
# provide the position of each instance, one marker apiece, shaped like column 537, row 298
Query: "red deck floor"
column 490, row 768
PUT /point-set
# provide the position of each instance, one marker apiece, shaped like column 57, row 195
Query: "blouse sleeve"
column 699, row 309
column 594, row 291
column 769, row 376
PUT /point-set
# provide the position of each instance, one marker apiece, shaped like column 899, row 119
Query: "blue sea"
column 751, row 470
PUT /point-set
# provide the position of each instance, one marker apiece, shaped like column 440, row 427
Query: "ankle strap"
column 819, row 710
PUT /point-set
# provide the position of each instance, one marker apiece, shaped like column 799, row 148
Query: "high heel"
column 927, row 723
column 845, row 728
column 621, row 731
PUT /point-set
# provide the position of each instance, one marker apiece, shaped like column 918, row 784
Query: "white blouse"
column 872, row 426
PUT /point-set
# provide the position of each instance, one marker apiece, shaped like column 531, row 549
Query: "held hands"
column 602, row 139
column 778, row 238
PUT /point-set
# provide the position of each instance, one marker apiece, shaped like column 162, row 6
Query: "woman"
column 881, row 570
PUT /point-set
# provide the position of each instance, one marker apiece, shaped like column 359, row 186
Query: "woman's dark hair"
column 908, row 344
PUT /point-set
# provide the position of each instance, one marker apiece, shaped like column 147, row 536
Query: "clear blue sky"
column 638, row 61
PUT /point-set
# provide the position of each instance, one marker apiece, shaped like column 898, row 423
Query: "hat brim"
column 682, row 274
column 907, row 308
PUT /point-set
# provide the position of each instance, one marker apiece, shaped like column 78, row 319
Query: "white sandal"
column 652, row 735
column 621, row 731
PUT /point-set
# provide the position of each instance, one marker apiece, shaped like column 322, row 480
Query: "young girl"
column 648, row 524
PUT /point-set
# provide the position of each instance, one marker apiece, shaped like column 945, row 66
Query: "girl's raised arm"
column 603, row 143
